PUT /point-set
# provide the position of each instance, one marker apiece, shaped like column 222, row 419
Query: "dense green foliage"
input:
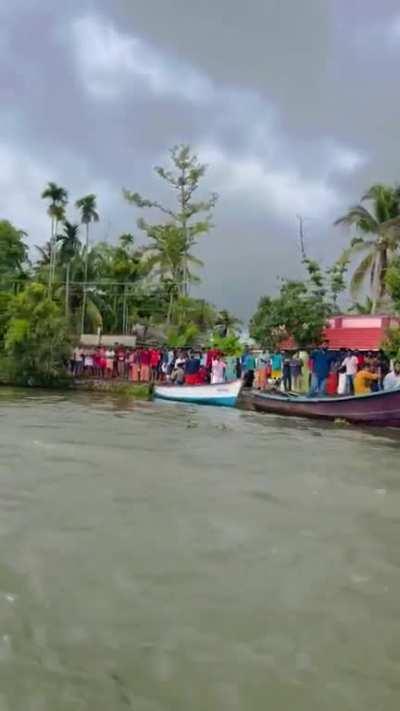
column 392, row 343
column 229, row 344
column 294, row 313
column 13, row 253
column 393, row 282
column 301, row 310
column 35, row 338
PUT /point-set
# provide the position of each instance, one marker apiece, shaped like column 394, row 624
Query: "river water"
column 158, row 557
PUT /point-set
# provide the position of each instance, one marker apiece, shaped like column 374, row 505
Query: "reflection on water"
column 154, row 556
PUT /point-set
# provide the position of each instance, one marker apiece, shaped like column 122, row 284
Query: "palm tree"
column 169, row 254
column 45, row 254
column 378, row 227
column 58, row 197
column 70, row 246
column 96, row 305
column 88, row 208
column 227, row 322
column 365, row 308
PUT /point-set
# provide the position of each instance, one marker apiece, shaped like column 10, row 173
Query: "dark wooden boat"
column 379, row 409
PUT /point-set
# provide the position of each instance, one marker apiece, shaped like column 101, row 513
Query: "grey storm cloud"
column 291, row 104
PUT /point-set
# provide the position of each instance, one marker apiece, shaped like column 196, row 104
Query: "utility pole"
column 301, row 237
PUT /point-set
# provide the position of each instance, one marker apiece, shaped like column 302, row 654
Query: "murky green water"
column 154, row 557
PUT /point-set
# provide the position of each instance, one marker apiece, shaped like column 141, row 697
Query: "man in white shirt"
column 392, row 380
column 351, row 365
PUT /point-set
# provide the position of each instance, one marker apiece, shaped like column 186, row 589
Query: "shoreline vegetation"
column 138, row 391
column 78, row 285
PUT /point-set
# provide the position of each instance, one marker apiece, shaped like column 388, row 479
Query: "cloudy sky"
column 292, row 103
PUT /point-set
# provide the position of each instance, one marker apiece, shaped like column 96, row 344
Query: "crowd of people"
column 325, row 372
column 146, row 365
column 317, row 372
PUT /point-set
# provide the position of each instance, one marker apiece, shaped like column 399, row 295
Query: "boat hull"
column 224, row 395
column 378, row 409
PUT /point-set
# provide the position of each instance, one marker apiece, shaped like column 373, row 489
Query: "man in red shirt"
column 145, row 366
column 155, row 356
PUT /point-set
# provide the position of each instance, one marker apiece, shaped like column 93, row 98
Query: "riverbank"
column 138, row 391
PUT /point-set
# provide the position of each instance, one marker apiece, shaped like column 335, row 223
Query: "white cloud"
column 378, row 35
column 23, row 178
column 280, row 192
column 345, row 160
column 21, row 181
column 112, row 63
column 393, row 30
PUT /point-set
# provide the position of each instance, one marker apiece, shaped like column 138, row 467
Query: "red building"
column 362, row 333
column 357, row 333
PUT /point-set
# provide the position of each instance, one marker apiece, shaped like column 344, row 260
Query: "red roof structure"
column 361, row 333
column 358, row 333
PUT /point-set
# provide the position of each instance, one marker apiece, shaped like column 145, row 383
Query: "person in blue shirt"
column 248, row 368
column 321, row 366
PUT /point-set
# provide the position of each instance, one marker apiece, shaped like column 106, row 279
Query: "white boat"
column 225, row 394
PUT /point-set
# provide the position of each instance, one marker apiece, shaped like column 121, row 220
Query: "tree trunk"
column 124, row 312
column 185, row 286
column 379, row 289
column 383, row 272
column 54, row 250
column 85, row 280
column 170, row 307
column 67, row 274
column 51, row 257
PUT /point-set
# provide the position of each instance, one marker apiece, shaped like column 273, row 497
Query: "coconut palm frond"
column 45, row 254
column 88, row 208
column 391, row 229
column 359, row 244
column 384, row 200
column 93, row 314
column 374, row 268
column 363, row 308
column 380, row 221
column 358, row 216
column 194, row 260
column 360, row 274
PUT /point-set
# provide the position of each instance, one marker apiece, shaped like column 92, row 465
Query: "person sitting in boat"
column 178, row 374
column 217, row 371
column 392, row 379
column 364, row 380
column 192, row 369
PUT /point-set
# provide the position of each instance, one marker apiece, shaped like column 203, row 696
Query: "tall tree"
column 69, row 247
column 125, row 270
column 88, row 209
column 45, row 254
column 227, row 323
column 36, row 340
column 183, row 178
column 170, row 258
column 13, row 251
column 58, row 197
column 377, row 223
